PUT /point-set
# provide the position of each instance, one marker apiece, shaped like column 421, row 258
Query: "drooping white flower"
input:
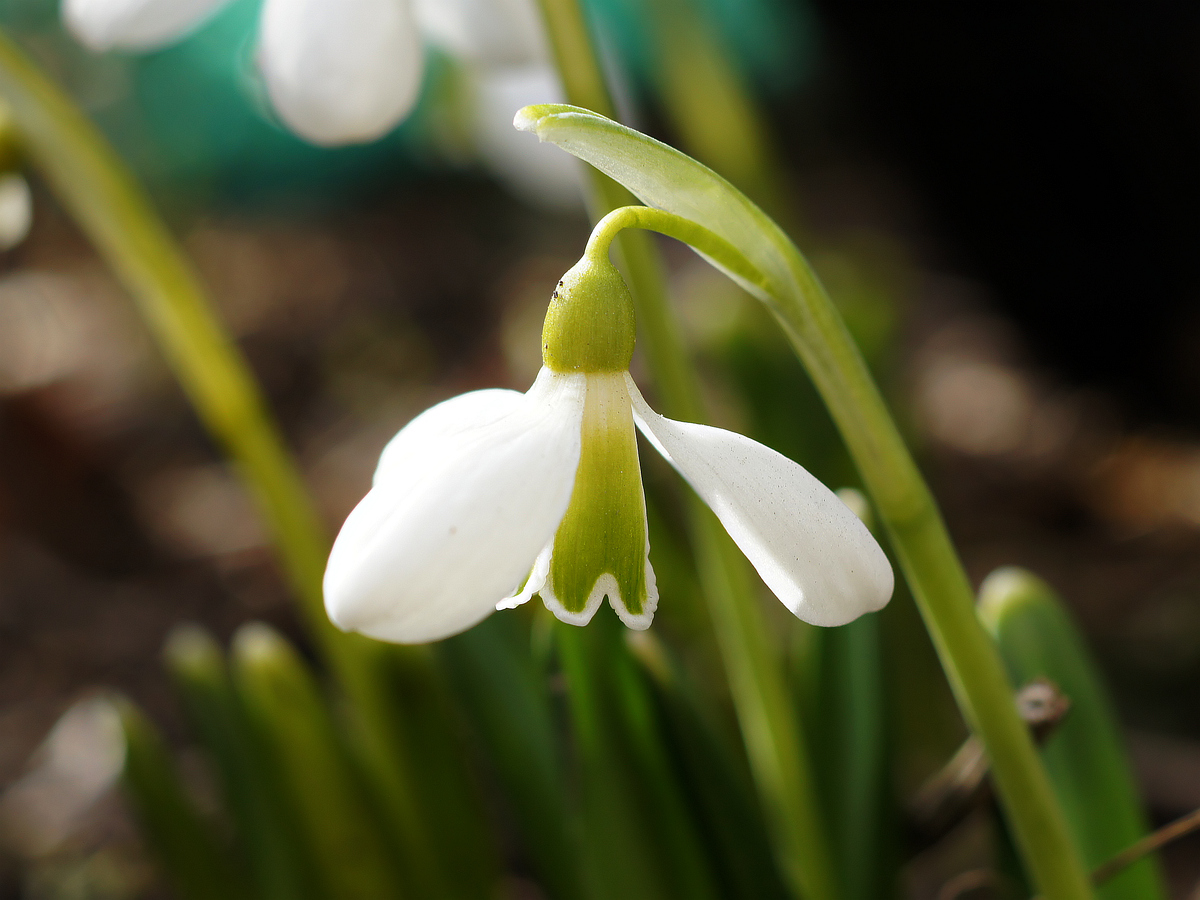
column 348, row 71
column 494, row 496
column 337, row 71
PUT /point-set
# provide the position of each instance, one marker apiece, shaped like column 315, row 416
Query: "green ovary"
column 604, row 530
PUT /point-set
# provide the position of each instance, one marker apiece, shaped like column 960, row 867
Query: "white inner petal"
column 464, row 501
column 809, row 548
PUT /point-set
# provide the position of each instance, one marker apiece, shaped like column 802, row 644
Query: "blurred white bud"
column 80, row 759
column 341, row 71
column 16, row 210
column 134, row 24
column 539, row 172
column 485, row 32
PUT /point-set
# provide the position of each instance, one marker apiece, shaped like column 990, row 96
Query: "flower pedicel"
column 493, row 496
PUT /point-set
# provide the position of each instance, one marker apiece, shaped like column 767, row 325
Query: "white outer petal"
column 460, row 509
column 134, row 24
column 341, row 71
column 809, row 548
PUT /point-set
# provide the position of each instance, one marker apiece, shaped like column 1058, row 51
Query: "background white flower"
column 16, row 210
column 337, row 71
column 348, row 71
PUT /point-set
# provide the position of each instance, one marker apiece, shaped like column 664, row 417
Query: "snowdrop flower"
column 493, row 496
column 337, row 71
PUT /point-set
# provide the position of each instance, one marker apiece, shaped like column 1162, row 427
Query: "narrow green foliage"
column 1085, row 756
column 265, row 823
column 641, row 837
column 196, row 863
column 505, row 698
column 112, row 209
column 712, row 110
column 453, row 843
column 714, row 777
column 290, row 717
column 850, row 748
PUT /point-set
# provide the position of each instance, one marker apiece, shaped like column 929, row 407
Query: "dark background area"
column 1055, row 148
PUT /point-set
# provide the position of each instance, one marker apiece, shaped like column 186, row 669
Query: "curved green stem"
column 766, row 714
column 918, row 534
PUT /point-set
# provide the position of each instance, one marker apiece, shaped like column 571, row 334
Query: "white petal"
column 809, row 548
column 486, row 32
column 341, row 71
column 134, row 24
column 540, row 173
column 465, row 498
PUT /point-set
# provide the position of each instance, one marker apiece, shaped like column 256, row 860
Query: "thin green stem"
column 938, row 581
column 918, row 535
column 766, row 714
column 95, row 187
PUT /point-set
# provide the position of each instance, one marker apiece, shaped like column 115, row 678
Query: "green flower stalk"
column 698, row 206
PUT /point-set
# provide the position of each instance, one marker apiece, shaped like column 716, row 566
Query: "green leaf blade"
column 196, row 863
column 1085, row 758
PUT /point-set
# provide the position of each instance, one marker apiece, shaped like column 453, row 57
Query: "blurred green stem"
column 110, row 206
column 918, row 534
column 766, row 714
